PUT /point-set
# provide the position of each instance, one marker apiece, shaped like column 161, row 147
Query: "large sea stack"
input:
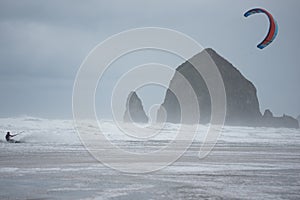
column 242, row 102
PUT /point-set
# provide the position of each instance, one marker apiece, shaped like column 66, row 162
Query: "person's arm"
column 13, row 135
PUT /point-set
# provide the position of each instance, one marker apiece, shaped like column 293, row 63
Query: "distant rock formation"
column 298, row 118
column 242, row 101
column 134, row 110
column 269, row 120
column 267, row 114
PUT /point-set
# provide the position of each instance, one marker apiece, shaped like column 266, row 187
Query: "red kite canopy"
column 273, row 28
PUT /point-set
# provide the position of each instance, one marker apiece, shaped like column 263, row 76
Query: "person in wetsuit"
column 9, row 137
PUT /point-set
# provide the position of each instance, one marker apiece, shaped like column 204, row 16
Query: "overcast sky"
column 43, row 43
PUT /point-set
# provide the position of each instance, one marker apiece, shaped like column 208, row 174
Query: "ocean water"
column 52, row 163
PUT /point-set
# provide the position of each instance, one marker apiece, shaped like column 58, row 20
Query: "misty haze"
column 149, row 100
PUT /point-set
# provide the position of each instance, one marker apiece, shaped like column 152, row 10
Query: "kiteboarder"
column 9, row 137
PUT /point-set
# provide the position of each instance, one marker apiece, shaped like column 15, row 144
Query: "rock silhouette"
column 242, row 105
column 242, row 101
column 269, row 120
column 134, row 110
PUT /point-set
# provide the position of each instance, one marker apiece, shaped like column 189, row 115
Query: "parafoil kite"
column 273, row 28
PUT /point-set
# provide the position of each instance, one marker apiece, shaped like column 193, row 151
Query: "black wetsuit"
column 8, row 137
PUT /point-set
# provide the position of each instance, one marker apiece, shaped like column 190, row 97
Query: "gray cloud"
column 42, row 44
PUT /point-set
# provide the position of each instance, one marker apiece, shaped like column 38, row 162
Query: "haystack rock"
column 134, row 110
column 242, row 101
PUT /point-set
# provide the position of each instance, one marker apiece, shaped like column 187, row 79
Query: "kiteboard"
column 14, row 141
